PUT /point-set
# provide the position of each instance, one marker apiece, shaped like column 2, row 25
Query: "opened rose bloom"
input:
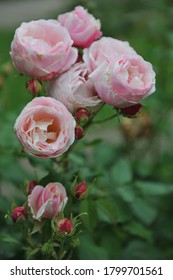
column 82, row 26
column 45, row 128
column 74, row 89
column 47, row 202
column 124, row 81
column 105, row 49
column 42, row 49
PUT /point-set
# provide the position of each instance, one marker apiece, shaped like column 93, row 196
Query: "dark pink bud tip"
column 30, row 186
column 132, row 110
column 17, row 213
column 80, row 190
column 64, row 225
column 82, row 114
column 79, row 133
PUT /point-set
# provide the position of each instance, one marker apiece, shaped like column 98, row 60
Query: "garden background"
column 130, row 207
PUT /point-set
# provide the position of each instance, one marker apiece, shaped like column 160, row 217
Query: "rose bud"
column 80, row 190
column 79, row 133
column 33, row 86
column 19, row 213
column 131, row 111
column 30, row 185
column 64, row 225
column 47, row 202
column 82, row 115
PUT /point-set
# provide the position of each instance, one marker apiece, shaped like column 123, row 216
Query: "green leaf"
column 76, row 159
column 32, row 252
column 127, row 193
column 111, row 242
column 140, row 250
column 154, row 188
column 103, row 155
column 106, row 210
column 137, row 229
column 94, row 142
column 88, row 250
column 121, row 172
column 4, row 204
column 38, row 226
column 124, row 213
column 144, row 211
column 9, row 239
column 91, row 219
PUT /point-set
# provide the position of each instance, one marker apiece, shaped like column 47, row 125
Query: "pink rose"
column 45, row 128
column 42, row 49
column 74, row 89
column 47, row 202
column 124, row 81
column 105, row 49
column 82, row 26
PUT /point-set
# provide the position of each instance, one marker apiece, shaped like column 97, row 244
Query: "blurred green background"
column 130, row 208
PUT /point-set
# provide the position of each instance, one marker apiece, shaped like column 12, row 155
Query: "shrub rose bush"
column 69, row 86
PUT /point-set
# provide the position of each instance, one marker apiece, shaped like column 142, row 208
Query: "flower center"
column 42, row 129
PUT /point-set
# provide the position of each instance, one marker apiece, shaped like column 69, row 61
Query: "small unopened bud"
column 33, row 86
column 79, row 190
column 30, row 185
column 19, row 214
column 131, row 111
column 79, row 133
column 64, row 225
column 82, row 115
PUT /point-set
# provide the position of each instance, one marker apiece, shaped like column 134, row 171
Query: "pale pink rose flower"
column 47, row 202
column 42, row 49
column 124, row 81
column 45, row 128
column 105, row 49
column 74, row 89
column 82, row 26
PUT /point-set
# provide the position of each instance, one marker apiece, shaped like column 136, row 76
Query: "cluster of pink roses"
column 82, row 71
column 107, row 71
